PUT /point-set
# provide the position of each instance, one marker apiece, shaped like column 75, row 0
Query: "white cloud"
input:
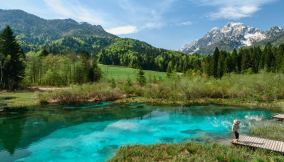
column 234, row 9
column 185, row 23
column 75, row 10
column 142, row 15
column 234, row 13
column 122, row 30
column 147, row 14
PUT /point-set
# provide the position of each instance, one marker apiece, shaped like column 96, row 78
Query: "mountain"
column 68, row 36
column 233, row 35
column 34, row 32
column 274, row 35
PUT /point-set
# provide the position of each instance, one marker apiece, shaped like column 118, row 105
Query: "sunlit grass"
column 195, row 152
column 19, row 99
column 82, row 93
column 124, row 73
column 271, row 130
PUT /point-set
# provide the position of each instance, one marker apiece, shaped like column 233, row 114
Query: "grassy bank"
column 249, row 90
column 19, row 99
column 255, row 90
column 194, row 152
column 206, row 152
column 269, row 129
column 275, row 105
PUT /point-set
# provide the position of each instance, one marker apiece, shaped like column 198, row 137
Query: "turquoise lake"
column 93, row 132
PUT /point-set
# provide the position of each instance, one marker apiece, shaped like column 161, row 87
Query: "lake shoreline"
column 21, row 100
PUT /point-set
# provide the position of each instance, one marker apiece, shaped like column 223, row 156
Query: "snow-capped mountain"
column 230, row 36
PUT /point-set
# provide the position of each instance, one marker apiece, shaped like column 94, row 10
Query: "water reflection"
column 11, row 132
column 20, row 130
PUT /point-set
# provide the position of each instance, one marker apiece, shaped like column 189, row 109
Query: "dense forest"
column 245, row 60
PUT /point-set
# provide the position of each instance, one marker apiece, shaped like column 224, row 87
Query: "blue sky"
column 163, row 23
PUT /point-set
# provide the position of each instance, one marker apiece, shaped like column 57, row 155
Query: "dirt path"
column 48, row 88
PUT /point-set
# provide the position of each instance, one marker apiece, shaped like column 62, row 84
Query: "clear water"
column 94, row 132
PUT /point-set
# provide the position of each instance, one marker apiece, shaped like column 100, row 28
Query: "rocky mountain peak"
column 232, row 35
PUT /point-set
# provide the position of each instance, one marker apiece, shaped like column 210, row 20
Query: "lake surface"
column 93, row 132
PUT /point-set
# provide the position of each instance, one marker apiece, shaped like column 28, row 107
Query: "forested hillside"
column 35, row 33
column 137, row 54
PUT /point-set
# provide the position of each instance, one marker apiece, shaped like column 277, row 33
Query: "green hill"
column 34, row 32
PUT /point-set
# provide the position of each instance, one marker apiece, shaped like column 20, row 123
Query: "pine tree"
column 215, row 62
column 269, row 58
column 280, row 58
column 169, row 69
column 235, row 61
column 141, row 77
column 228, row 65
column 221, row 64
column 11, row 60
column 256, row 59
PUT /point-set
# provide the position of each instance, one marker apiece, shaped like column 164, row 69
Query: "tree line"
column 245, row 60
column 42, row 68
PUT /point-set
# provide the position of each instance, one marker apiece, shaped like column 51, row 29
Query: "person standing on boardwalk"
column 235, row 130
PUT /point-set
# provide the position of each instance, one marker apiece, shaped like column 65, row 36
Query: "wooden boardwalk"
column 256, row 142
column 279, row 117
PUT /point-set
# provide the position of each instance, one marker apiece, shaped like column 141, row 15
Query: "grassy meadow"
column 120, row 73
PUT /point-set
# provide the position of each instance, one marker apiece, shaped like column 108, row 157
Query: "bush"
column 83, row 93
column 253, row 87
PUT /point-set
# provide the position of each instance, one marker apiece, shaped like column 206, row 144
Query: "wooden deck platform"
column 256, row 142
column 279, row 117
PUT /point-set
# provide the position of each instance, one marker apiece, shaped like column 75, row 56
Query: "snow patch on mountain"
column 251, row 38
column 233, row 35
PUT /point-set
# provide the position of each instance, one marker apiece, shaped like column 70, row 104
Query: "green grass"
column 19, row 99
column 271, row 130
column 262, row 87
column 124, row 73
column 195, row 152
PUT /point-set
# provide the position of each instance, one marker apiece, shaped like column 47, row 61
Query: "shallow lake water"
column 93, row 132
